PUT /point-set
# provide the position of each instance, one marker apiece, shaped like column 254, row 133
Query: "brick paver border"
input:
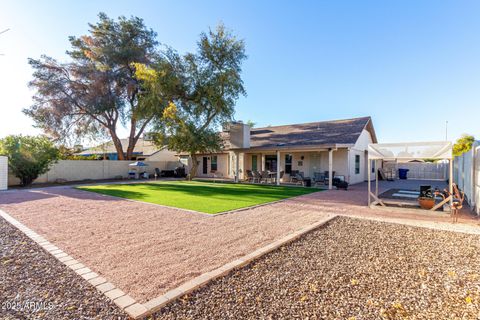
column 129, row 305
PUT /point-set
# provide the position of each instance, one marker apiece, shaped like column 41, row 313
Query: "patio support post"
column 369, row 164
column 450, row 181
column 263, row 162
column 237, row 166
column 330, row 169
column 278, row 168
column 376, row 177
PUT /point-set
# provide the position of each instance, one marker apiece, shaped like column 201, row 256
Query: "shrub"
column 28, row 156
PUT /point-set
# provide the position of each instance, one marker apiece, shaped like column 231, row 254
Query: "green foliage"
column 96, row 91
column 206, row 86
column 463, row 144
column 28, row 156
column 251, row 123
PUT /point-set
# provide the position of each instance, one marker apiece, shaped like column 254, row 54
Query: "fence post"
column 3, row 173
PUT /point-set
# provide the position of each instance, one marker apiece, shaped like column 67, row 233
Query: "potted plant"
column 426, row 200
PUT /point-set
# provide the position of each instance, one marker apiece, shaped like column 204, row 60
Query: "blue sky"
column 411, row 65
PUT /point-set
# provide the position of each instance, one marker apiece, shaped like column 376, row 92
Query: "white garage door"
column 3, row 173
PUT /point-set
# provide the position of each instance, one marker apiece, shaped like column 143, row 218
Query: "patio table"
column 272, row 176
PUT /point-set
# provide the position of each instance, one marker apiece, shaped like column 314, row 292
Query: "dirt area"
column 37, row 286
column 349, row 269
column 146, row 250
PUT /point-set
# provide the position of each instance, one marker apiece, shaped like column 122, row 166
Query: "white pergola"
column 437, row 150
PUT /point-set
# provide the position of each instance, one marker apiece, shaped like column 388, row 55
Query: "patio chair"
column 318, row 178
column 274, row 178
column 458, row 198
column 257, row 176
column 299, row 178
column 265, row 176
column 327, row 178
column 250, row 177
column 293, row 173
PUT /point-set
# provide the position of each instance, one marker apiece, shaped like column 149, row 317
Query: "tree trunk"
column 131, row 146
column 118, row 144
column 193, row 169
column 131, row 139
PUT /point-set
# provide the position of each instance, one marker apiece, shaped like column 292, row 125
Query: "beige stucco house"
column 337, row 146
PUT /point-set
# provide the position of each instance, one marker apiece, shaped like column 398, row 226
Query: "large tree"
column 96, row 92
column 207, row 85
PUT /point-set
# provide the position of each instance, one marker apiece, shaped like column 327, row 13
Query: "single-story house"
column 338, row 147
column 145, row 150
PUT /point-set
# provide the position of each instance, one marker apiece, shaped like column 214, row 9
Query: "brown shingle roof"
column 326, row 133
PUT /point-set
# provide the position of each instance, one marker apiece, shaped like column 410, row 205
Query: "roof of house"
column 143, row 147
column 323, row 133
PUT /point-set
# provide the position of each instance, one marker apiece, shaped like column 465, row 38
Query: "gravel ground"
column 349, row 269
column 146, row 250
column 34, row 285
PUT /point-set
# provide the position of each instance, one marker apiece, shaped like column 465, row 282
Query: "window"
column 213, row 163
column 373, row 166
column 271, row 163
column 288, row 163
column 357, row 164
column 254, row 163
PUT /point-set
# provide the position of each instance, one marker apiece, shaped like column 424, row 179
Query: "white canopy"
column 410, row 150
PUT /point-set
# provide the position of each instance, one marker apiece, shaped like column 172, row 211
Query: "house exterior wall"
column 360, row 149
column 222, row 165
column 3, row 173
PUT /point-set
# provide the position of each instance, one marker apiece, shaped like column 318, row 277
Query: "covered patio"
column 402, row 192
column 283, row 166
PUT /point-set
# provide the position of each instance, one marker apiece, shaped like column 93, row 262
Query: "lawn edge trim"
column 129, row 305
column 194, row 211
column 120, row 298
column 158, row 303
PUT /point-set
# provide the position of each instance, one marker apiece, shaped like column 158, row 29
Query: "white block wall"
column 3, row 173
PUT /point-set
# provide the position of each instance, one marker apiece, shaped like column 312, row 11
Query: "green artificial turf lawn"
column 208, row 197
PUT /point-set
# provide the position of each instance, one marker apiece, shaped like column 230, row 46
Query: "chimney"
column 239, row 135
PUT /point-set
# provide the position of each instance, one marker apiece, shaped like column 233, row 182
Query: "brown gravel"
column 349, row 269
column 144, row 249
column 34, row 285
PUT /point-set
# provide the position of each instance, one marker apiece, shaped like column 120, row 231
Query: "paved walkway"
column 146, row 250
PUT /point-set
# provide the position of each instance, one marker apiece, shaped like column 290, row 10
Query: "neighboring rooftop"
column 143, row 147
